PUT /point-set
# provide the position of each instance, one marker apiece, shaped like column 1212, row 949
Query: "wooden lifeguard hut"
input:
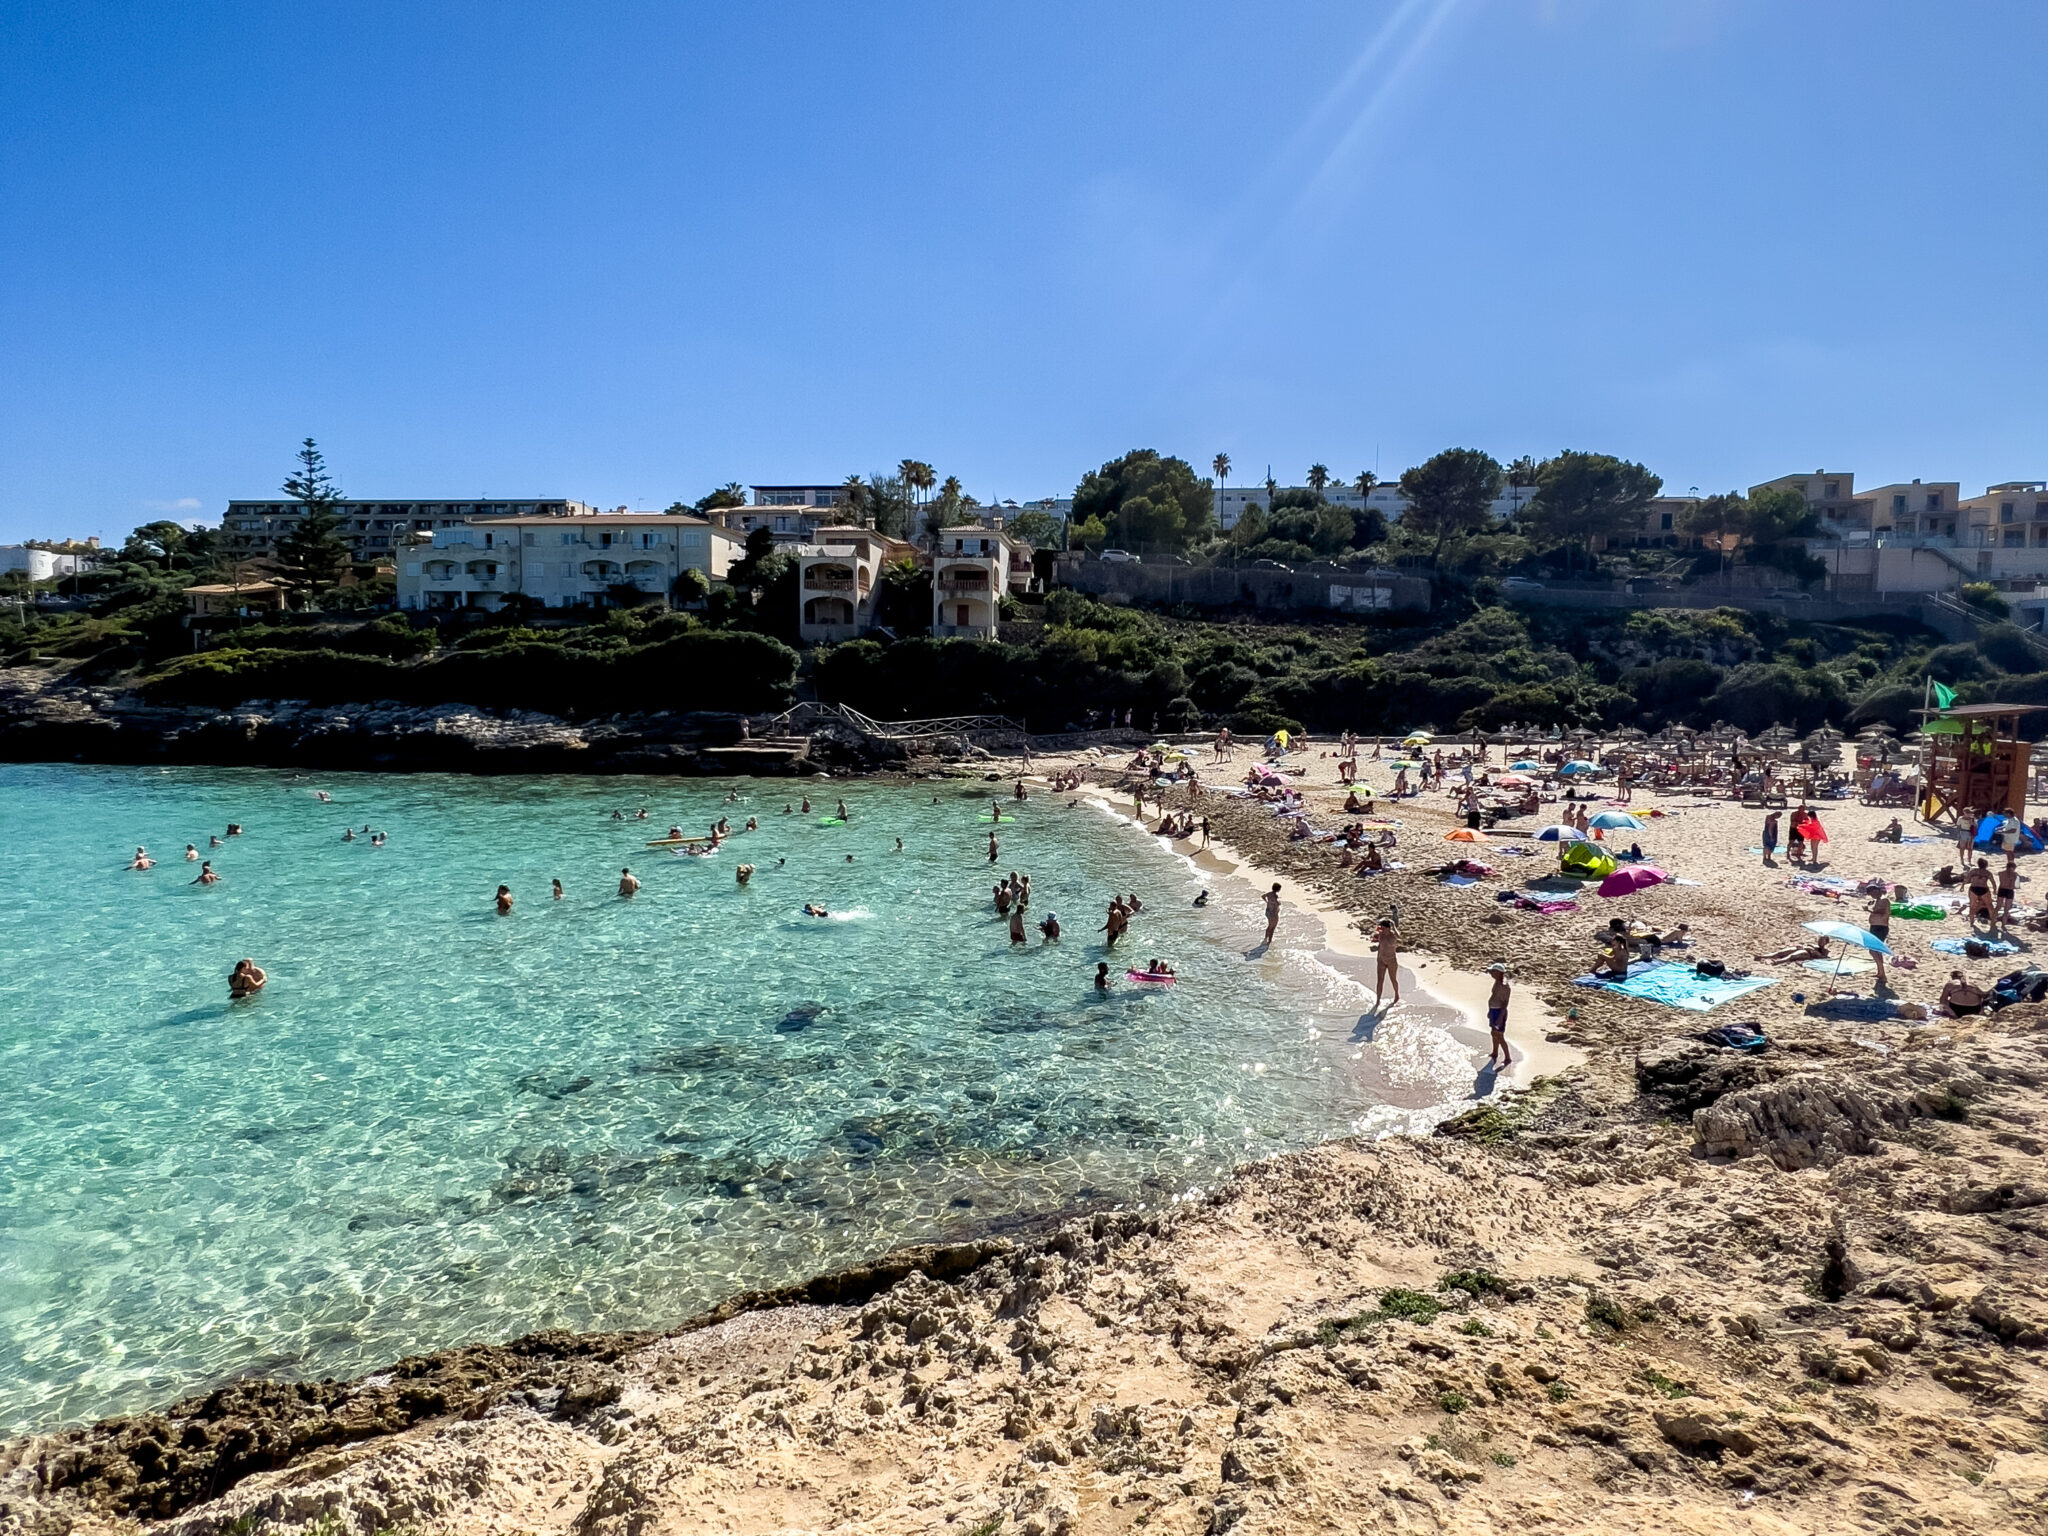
column 1975, row 762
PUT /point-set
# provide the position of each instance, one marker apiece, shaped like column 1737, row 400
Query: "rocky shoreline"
column 46, row 718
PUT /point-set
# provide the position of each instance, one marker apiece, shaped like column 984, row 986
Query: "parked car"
column 1520, row 584
column 1117, row 554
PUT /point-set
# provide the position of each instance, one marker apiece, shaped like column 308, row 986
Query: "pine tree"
column 312, row 554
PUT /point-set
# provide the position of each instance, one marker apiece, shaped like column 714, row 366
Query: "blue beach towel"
column 1995, row 946
column 1676, row 985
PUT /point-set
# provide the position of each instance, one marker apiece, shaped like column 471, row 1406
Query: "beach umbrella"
column 1462, row 835
column 1849, row 933
column 1513, row 781
column 1624, row 882
column 1558, row 832
column 1579, row 765
column 1612, row 821
column 1417, row 739
column 1526, row 766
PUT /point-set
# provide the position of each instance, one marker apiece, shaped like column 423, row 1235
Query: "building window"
column 1834, row 489
column 1664, row 522
column 2015, row 538
column 1934, row 501
column 1898, row 505
column 2005, row 511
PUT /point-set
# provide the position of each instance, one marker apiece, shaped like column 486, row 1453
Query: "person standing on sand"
column 1880, row 924
column 1770, row 838
column 1980, row 894
column 1205, row 832
column 1497, row 1014
column 1272, row 914
column 1386, row 949
column 2008, row 887
column 629, row 883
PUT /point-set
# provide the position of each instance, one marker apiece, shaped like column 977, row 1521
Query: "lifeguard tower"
column 1976, row 761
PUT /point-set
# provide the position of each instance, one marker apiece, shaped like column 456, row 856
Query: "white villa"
column 559, row 562
column 972, row 567
column 839, row 574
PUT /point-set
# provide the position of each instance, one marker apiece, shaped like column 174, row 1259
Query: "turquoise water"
column 437, row 1125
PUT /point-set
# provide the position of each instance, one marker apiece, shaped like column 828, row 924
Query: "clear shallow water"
column 438, row 1125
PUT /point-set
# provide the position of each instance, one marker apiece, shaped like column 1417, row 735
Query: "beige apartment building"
column 972, row 567
column 2010, row 515
column 1914, row 508
column 839, row 578
column 559, row 562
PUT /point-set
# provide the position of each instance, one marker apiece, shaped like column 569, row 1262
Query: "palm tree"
column 1221, row 465
column 854, row 497
column 1365, row 482
column 1318, row 477
column 914, row 475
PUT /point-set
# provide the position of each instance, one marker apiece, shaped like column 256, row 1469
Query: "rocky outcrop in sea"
column 46, row 718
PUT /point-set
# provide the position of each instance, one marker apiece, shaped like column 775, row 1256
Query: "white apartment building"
column 559, row 562
column 38, row 564
column 973, row 565
column 792, row 525
column 839, row 576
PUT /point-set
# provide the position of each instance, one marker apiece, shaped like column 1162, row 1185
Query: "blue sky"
column 628, row 252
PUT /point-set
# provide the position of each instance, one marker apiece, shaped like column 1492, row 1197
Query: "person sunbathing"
column 1961, row 997
column 1372, row 859
column 1893, row 833
column 1792, row 954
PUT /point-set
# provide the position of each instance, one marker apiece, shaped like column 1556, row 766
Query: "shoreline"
column 1435, row 977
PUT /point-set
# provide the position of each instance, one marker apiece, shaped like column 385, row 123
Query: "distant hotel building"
column 373, row 529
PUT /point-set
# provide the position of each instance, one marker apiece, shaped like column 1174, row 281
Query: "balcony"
column 814, row 582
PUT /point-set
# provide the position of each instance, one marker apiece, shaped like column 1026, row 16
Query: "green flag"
column 1943, row 696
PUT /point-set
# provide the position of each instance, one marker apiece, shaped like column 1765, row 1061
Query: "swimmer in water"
column 788, row 809
column 376, row 839
column 504, row 901
column 1016, row 925
column 142, row 860
column 206, row 874
column 628, row 882
column 753, row 824
column 348, row 834
column 994, row 848
column 618, row 816
column 1102, row 976
column 641, row 814
column 676, row 833
column 807, row 805
column 191, row 854
column 899, row 845
column 234, row 829
column 213, row 842
column 849, row 858
column 743, row 874
column 558, row 889
column 322, row 796
column 812, row 909
column 1202, row 900
column 1050, row 927
column 841, row 813
column 246, row 980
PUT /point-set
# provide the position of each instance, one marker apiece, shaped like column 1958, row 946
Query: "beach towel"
column 1738, row 1037
column 1919, row 911
column 1992, row 946
column 1676, row 985
column 1822, row 885
column 1854, row 1006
